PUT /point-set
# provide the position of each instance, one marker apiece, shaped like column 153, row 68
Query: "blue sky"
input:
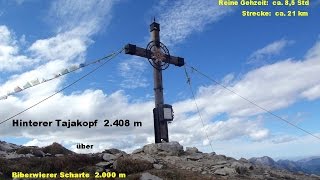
column 273, row 61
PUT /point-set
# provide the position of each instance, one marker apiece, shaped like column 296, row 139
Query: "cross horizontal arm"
column 134, row 50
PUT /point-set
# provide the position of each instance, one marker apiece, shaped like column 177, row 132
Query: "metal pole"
column 160, row 126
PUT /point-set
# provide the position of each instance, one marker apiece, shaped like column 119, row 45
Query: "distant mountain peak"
column 265, row 160
column 309, row 165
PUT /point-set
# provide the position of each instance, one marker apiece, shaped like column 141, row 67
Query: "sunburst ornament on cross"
column 158, row 55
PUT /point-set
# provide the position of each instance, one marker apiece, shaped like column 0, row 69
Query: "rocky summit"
column 152, row 161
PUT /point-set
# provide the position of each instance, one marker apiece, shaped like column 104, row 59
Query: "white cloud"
column 314, row 52
column 283, row 139
column 312, row 93
column 90, row 16
column 300, row 146
column 269, row 51
column 77, row 21
column 45, row 71
column 132, row 71
column 36, row 142
column 112, row 107
column 66, row 46
column 10, row 60
column 51, row 56
column 223, row 130
column 86, row 106
column 58, row 52
column 183, row 17
column 272, row 86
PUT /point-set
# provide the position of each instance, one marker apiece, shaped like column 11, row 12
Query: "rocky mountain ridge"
column 308, row 165
column 152, row 161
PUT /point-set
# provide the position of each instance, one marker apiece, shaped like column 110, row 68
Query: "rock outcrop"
column 152, row 161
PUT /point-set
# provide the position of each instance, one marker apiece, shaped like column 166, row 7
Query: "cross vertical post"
column 160, row 58
column 160, row 126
